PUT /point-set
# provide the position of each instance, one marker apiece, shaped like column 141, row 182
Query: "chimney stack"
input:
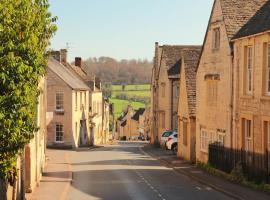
column 56, row 55
column 63, row 57
column 78, row 62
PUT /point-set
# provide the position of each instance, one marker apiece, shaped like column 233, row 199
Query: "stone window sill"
column 265, row 98
column 246, row 96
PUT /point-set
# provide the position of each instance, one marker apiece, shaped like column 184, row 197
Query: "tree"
column 26, row 28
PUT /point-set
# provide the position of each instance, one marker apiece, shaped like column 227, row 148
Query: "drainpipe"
column 232, row 97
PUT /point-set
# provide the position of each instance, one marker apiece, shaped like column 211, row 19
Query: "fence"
column 255, row 166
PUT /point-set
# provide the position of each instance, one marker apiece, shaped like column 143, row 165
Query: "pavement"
column 56, row 178
column 127, row 170
column 236, row 191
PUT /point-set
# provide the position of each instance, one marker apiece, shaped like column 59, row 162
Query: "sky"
column 127, row 29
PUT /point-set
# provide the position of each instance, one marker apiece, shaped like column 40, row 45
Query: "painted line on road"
column 146, row 182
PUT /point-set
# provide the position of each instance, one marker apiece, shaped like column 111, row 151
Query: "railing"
column 255, row 166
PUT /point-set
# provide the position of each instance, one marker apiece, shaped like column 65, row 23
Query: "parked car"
column 164, row 138
column 172, row 142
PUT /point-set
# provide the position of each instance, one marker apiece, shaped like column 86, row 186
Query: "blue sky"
column 125, row 29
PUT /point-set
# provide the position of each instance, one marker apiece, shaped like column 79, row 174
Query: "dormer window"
column 216, row 38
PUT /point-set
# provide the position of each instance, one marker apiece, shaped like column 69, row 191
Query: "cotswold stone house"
column 187, row 105
column 165, row 89
column 67, row 105
column 214, row 114
column 252, row 83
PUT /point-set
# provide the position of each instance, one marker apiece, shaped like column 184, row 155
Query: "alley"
column 125, row 172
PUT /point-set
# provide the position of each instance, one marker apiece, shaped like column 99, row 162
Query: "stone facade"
column 35, row 150
column 252, row 106
column 67, row 127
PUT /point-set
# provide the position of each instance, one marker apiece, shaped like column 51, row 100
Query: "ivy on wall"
column 26, row 27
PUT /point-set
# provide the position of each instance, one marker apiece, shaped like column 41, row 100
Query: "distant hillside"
column 119, row 72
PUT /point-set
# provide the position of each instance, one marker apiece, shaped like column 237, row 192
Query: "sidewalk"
column 235, row 191
column 56, row 178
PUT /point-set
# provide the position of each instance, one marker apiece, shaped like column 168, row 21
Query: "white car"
column 164, row 138
column 171, row 143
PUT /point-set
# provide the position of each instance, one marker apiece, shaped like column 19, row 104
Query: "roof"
column 172, row 56
column 190, row 60
column 124, row 123
column 237, row 13
column 137, row 114
column 66, row 75
column 120, row 118
column 260, row 22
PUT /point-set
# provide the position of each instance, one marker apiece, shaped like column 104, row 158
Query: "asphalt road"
column 125, row 172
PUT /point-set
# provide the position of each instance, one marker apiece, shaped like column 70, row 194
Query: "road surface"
column 125, row 172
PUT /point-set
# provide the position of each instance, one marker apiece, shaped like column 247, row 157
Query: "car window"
column 166, row 134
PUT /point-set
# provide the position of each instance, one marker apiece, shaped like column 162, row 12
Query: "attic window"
column 216, row 38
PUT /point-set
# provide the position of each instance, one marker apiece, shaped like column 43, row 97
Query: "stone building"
column 136, row 132
column 252, row 84
column 187, row 105
column 214, row 114
column 165, row 89
column 67, row 104
column 144, row 124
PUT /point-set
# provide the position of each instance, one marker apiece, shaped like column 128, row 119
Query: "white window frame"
column 76, row 100
column 204, row 140
column 213, row 138
column 221, row 138
column 248, row 134
column 267, row 82
column 249, row 70
column 57, row 101
column 61, row 137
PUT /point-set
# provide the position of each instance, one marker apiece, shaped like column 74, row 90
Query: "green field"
column 140, row 92
column 131, row 87
column 120, row 104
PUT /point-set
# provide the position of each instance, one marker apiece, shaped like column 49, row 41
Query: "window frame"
column 204, row 141
column 216, row 38
column 247, row 138
column 267, row 82
column 212, row 92
column 57, row 132
column 249, row 69
column 57, row 101
column 219, row 140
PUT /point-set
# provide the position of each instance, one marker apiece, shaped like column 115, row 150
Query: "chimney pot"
column 78, row 62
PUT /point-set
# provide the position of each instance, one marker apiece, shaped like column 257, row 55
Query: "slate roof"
column 190, row 62
column 66, row 75
column 137, row 114
column 237, row 13
column 172, row 56
column 260, row 22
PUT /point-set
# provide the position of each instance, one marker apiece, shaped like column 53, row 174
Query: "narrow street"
column 125, row 172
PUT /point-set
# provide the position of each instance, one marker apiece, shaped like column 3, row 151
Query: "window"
column 246, row 126
column 76, row 100
column 85, row 100
column 248, row 70
column 163, row 89
column 76, row 130
column 268, row 70
column 212, row 89
column 162, row 120
column 216, row 38
column 81, row 100
column 59, row 133
column 204, row 140
column 59, row 104
column 185, row 133
column 221, row 138
column 267, row 135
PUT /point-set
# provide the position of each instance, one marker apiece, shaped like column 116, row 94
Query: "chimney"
column 156, row 44
column 78, row 62
column 56, row 55
column 63, row 53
